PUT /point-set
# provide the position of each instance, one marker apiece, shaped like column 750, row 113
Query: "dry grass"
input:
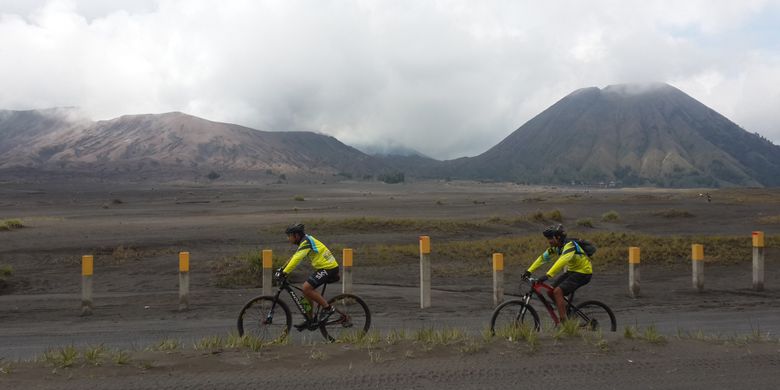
column 243, row 269
column 769, row 220
column 11, row 224
column 673, row 213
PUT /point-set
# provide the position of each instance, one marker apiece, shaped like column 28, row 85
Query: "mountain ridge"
column 631, row 134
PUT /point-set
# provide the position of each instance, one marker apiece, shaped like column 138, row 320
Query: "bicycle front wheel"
column 512, row 316
column 266, row 318
column 595, row 315
column 352, row 318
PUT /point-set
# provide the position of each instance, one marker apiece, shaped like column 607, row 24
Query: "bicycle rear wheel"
column 352, row 318
column 595, row 315
column 266, row 318
column 511, row 316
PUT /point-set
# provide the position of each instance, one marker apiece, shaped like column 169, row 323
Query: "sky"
column 446, row 78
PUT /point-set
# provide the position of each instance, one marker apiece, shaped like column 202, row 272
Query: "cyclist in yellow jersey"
column 324, row 263
column 578, row 267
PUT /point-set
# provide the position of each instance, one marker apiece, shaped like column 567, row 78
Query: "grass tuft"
column 585, row 222
column 93, row 355
column 167, row 345
column 610, row 216
column 209, row 343
column 674, row 213
column 11, row 224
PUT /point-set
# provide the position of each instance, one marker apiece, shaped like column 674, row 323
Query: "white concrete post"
column 87, row 267
column 633, row 271
column 268, row 263
column 498, row 278
column 425, row 272
column 184, row 280
column 697, row 256
column 758, row 261
column 346, row 279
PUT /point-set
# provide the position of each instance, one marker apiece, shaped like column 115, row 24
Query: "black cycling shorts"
column 321, row 276
column 570, row 281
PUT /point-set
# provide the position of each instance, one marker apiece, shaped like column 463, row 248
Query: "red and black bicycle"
column 592, row 315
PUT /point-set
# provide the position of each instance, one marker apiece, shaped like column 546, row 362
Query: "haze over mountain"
column 632, row 134
column 637, row 134
column 167, row 145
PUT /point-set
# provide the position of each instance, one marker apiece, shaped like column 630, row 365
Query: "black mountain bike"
column 592, row 315
column 269, row 319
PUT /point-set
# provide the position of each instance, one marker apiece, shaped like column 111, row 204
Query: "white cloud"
column 449, row 78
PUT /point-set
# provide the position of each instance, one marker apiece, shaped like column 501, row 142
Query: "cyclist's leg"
column 557, row 294
column 567, row 286
column 316, row 279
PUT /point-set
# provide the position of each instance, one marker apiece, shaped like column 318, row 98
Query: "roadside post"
column 346, row 279
column 87, row 267
column 633, row 271
column 697, row 256
column 425, row 272
column 268, row 256
column 498, row 278
column 758, row 261
column 184, row 280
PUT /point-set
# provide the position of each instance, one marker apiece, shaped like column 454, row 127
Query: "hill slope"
column 167, row 145
column 649, row 134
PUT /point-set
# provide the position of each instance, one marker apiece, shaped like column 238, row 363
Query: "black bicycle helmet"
column 554, row 230
column 295, row 228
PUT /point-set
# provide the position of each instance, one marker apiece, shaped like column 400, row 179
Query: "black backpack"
column 584, row 246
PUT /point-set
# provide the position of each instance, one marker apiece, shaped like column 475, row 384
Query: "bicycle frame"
column 286, row 286
column 539, row 288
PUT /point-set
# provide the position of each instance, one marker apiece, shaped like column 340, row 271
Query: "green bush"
column 610, row 216
column 299, row 198
column 555, row 215
column 10, row 224
column 586, row 222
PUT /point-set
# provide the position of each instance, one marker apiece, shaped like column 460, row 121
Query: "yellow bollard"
column 87, row 268
column 184, row 280
column 268, row 263
column 346, row 279
column 498, row 278
column 425, row 272
column 633, row 271
column 697, row 260
column 758, row 261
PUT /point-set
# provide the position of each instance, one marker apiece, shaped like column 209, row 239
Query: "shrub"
column 392, row 177
column 610, row 216
column 555, row 215
column 586, row 222
column 10, row 224
column 299, row 198
column 673, row 213
column 770, row 220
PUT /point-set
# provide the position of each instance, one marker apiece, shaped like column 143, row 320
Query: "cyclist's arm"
column 560, row 263
column 543, row 258
column 299, row 255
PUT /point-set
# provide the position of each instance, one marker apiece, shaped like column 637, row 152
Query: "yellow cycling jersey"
column 570, row 256
column 320, row 255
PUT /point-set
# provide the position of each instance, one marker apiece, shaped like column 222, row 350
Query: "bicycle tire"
column 352, row 318
column 253, row 319
column 513, row 314
column 599, row 314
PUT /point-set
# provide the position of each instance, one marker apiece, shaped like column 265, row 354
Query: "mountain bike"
column 591, row 315
column 269, row 319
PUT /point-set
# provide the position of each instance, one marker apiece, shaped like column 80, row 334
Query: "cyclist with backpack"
column 326, row 268
column 574, row 255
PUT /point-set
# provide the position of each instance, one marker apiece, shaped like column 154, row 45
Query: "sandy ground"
column 135, row 241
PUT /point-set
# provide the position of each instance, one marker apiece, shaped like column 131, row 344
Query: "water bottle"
column 306, row 305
